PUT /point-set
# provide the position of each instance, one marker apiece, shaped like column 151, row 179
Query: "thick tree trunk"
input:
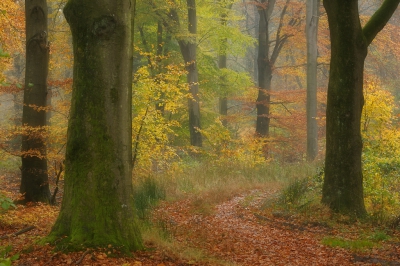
column 188, row 49
column 312, row 46
column 343, row 184
column 97, row 208
column 34, row 179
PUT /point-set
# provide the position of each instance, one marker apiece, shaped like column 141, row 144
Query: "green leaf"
column 5, row 205
column 5, row 262
column 15, row 257
column 4, row 54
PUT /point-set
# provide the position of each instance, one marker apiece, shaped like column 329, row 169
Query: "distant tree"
column 226, row 5
column 188, row 47
column 267, row 56
column 97, row 207
column 311, row 34
column 34, row 178
column 343, row 183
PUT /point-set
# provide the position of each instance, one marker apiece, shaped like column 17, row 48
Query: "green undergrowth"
column 302, row 196
column 363, row 239
column 299, row 201
column 147, row 193
column 208, row 183
column 5, row 258
column 198, row 177
column 353, row 245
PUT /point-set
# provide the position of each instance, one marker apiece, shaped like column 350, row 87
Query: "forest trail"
column 239, row 235
column 235, row 231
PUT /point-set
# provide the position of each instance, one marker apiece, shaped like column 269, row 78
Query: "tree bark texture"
column 34, row 178
column 343, row 183
column 188, row 49
column 97, row 207
column 264, row 69
column 312, row 49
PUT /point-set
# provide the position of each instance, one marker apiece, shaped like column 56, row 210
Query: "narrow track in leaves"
column 236, row 233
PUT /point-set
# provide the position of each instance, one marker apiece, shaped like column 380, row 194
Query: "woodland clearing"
column 241, row 229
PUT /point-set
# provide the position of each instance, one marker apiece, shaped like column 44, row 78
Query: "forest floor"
column 236, row 231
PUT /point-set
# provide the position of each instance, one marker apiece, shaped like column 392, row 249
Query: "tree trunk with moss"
column 343, row 184
column 34, row 176
column 97, row 207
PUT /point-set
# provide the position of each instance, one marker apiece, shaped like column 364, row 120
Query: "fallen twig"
column 83, row 256
column 20, row 232
column 53, row 198
column 26, row 229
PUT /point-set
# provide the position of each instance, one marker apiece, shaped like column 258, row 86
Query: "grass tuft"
column 146, row 194
column 353, row 245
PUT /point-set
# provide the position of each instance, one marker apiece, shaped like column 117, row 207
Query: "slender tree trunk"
column 222, row 64
column 160, row 105
column 255, row 49
column 312, row 48
column 223, row 100
column 34, row 179
column 264, row 70
column 343, row 183
column 188, row 49
column 97, row 207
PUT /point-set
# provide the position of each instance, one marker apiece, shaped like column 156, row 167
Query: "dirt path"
column 237, row 234
column 234, row 231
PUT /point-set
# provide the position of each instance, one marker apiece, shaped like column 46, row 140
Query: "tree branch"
column 379, row 19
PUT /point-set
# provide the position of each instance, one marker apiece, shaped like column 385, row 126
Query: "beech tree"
column 267, row 56
column 97, row 207
column 188, row 50
column 312, row 50
column 343, row 183
column 34, row 176
column 188, row 46
column 222, row 60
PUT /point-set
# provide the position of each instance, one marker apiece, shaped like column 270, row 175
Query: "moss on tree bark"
column 97, row 208
column 343, row 184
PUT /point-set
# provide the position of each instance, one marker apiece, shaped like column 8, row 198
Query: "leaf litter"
column 235, row 232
